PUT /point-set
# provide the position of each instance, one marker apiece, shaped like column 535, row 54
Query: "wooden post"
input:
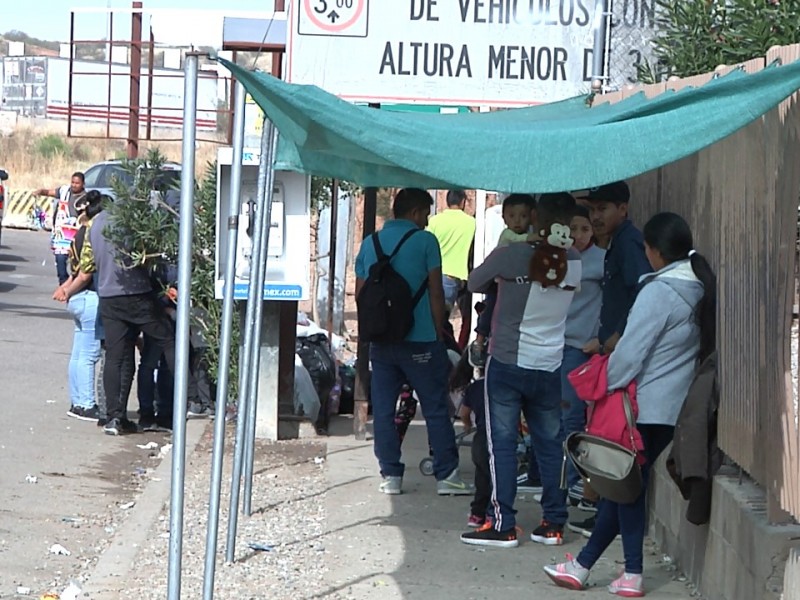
column 361, row 391
column 136, row 75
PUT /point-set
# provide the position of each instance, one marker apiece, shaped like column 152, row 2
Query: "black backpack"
column 385, row 303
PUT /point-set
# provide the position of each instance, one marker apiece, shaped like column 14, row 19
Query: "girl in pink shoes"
column 671, row 329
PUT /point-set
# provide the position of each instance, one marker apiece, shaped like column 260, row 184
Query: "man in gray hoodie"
column 522, row 375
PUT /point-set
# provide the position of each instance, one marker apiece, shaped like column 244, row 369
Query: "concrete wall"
column 738, row 555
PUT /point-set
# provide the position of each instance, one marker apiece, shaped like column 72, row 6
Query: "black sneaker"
column 84, row 414
column 76, row 412
column 548, row 534
column 91, row 414
column 101, row 421
column 584, row 527
column 587, row 505
column 587, row 526
column 129, row 426
column 147, row 421
column 113, row 427
column 487, row 535
column 198, row 411
column 158, row 425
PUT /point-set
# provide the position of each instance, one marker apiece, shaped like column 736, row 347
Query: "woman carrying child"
column 671, row 328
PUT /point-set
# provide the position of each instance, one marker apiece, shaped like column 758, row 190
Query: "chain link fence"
column 633, row 27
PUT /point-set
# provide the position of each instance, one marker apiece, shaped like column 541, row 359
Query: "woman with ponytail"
column 671, row 328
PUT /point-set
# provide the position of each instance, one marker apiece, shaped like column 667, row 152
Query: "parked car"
column 100, row 177
column 3, row 177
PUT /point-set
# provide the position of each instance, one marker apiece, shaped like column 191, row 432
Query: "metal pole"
column 110, row 81
column 250, row 440
column 254, row 298
column 182, row 328
column 72, row 52
column 224, row 347
column 332, row 257
column 600, row 26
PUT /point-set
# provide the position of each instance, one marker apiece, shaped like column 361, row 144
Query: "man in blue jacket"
column 625, row 261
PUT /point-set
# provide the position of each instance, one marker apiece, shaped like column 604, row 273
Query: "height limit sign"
column 342, row 18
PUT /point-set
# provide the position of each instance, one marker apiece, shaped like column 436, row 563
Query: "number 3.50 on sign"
column 343, row 18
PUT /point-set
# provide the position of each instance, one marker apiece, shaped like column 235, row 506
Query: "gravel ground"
column 289, row 517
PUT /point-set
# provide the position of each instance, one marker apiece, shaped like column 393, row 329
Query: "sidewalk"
column 325, row 531
column 408, row 546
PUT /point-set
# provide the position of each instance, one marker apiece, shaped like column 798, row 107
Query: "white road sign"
column 460, row 52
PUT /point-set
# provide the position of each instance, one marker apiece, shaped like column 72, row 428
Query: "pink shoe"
column 628, row 585
column 570, row 574
column 475, row 521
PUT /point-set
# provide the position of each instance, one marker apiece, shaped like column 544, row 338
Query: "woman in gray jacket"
column 671, row 327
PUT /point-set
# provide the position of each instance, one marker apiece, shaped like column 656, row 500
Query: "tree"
column 696, row 36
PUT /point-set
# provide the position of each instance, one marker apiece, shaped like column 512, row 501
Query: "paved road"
column 83, row 476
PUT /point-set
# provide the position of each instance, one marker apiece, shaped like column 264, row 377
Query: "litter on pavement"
column 260, row 547
column 59, row 549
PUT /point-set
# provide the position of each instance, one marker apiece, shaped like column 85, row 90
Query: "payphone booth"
column 288, row 254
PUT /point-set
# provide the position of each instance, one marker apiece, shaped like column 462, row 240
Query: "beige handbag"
column 610, row 468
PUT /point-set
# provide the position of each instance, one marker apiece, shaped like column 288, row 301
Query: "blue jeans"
column 85, row 348
column 426, row 368
column 61, row 267
column 628, row 520
column 451, row 287
column 573, row 417
column 537, row 394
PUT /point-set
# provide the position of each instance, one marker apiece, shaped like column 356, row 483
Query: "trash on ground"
column 49, row 596
column 127, row 505
column 71, row 592
column 165, row 449
column 59, row 549
column 260, row 547
column 31, row 479
column 72, row 519
column 23, row 591
column 318, row 460
column 147, row 446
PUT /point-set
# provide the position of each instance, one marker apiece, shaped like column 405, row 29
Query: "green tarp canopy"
column 547, row 148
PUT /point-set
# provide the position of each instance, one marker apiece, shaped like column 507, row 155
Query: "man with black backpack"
column 401, row 313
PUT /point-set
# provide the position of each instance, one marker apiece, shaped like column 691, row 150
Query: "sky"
column 50, row 19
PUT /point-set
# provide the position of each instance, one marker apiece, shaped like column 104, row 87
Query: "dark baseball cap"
column 616, row 192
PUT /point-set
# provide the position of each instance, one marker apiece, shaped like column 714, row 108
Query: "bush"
column 695, row 36
column 52, row 145
column 80, row 152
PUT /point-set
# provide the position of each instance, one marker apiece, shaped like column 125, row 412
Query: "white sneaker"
column 392, row 485
column 570, row 574
column 628, row 585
